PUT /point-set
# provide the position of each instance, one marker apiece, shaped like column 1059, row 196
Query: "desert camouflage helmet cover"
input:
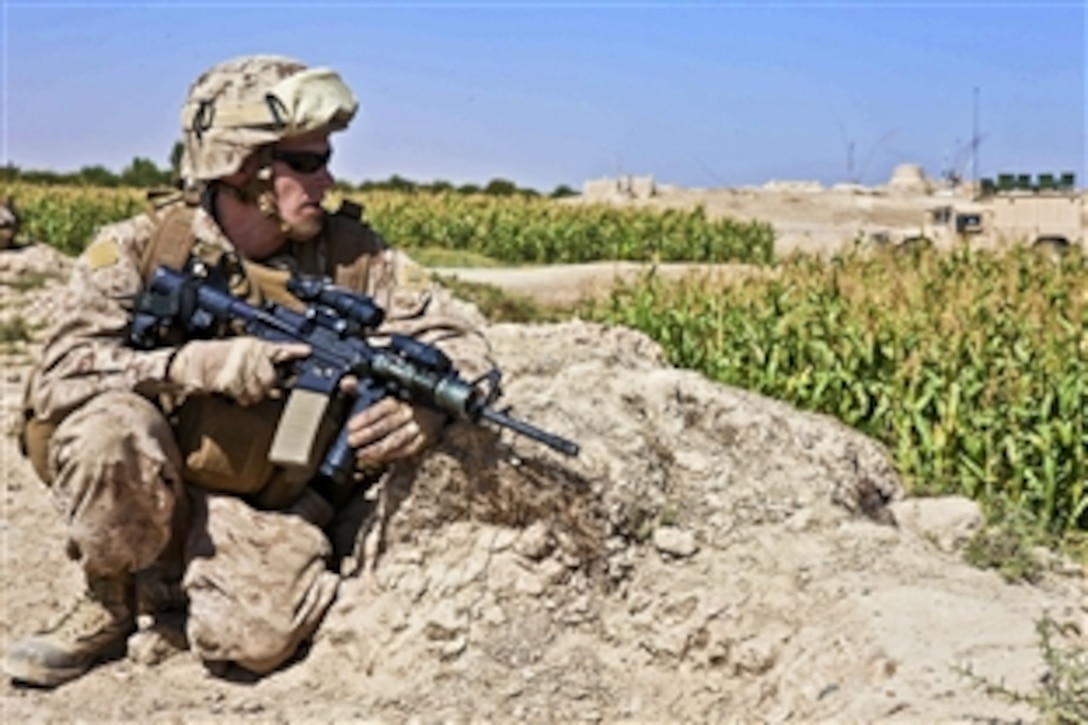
column 242, row 104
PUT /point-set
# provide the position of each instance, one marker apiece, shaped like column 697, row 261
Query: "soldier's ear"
column 246, row 173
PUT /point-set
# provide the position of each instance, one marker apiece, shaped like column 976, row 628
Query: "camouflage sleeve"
column 415, row 306
column 85, row 351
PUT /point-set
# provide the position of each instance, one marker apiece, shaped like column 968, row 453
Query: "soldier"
column 157, row 459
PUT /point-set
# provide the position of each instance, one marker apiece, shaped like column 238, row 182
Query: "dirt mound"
column 908, row 178
column 711, row 555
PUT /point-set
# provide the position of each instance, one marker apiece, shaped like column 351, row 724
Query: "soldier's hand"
column 242, row 367
column 390, row 430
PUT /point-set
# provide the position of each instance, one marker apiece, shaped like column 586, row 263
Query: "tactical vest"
column 224, row 445
column 349, row 243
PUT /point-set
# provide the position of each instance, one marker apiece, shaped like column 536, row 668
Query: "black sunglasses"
column 304, row 162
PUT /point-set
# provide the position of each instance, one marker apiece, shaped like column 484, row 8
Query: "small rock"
column 445, row 622
column 756, row 656
column 493, row 615
column 155, row 645
column 799, row 521
column 554, row 572
column 615, row 544
column 535, row 542
column 675, row 542
column 530, row 584
column 950, row 521
column 672, row 641
column 504, row 539
column 249, row 707
column 451, row 649
column 881, row 668
column 410, row 555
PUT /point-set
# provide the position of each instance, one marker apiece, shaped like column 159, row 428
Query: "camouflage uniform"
column 256, row 581
column 9, row 223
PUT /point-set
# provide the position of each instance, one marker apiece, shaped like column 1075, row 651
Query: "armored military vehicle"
column 1047, row 213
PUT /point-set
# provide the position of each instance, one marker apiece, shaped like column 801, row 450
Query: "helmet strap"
column 258, row 190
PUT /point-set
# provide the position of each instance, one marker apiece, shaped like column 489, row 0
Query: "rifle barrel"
column 551, row 440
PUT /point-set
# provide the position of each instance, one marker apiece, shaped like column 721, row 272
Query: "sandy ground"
column 567, row 284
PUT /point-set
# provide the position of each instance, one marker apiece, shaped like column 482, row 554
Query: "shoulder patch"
column 102, row 254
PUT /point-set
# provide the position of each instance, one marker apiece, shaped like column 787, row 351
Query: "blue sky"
column 699, row 94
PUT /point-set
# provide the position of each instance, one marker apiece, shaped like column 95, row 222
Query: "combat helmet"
column 245, row 104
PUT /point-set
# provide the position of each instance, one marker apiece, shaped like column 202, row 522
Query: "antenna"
column 872, row 152
column 975, row 142
column 710, row 172
column 963, row 154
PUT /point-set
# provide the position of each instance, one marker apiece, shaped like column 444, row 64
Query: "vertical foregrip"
column 339, row 463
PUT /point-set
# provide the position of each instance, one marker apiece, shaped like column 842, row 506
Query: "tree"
column 33, row 176
column 440, row 186
column 175, row 158
column 97, row 175
column 144, row 173
column 397, row 182
column 501, row 187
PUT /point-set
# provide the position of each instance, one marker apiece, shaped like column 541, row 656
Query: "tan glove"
column 390, row 430
column 240, row 367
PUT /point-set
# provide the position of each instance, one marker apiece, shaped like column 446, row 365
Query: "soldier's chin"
column 305, row 230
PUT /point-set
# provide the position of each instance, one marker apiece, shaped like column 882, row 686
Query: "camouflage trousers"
column 256, row 581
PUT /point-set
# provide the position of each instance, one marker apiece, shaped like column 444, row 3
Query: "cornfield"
column 512, row 230
column 520, row 230
column 972, row 368
column 66, row 217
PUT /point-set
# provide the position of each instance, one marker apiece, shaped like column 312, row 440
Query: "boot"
column 96, row 628
column 159, row 590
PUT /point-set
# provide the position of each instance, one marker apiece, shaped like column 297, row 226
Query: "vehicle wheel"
column 879, row 239
column 914, row 245
column 1051, row 247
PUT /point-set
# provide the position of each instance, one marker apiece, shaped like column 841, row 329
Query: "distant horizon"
column 543, row 94
column 578, row 186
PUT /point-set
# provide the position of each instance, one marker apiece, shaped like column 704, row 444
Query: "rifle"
column 197, row 303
